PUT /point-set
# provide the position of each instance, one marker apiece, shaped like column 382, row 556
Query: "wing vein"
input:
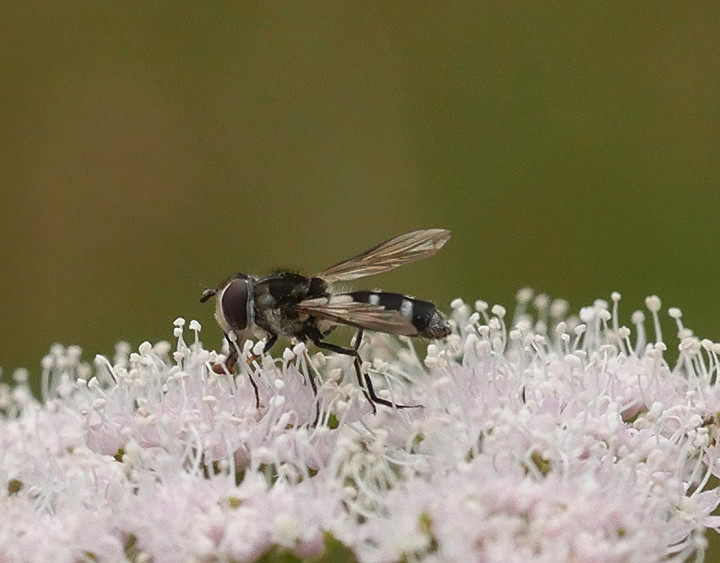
column 388, row 255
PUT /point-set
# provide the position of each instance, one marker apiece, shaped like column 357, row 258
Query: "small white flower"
column 552, row 438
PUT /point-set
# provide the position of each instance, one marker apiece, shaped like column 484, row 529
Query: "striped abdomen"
column 424, row 316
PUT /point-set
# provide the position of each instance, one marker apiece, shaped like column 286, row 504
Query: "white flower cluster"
column 559, row 439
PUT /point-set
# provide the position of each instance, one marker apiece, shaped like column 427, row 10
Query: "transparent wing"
column 388, row 255
column 359, row 315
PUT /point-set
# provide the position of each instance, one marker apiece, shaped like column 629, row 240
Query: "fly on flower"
column 306, row 309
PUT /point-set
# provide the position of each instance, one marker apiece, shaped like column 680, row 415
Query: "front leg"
column 229, row 367
column 269, row 344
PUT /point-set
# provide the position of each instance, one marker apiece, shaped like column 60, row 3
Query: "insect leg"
column 313, row 384
column 368, row 388
column 368, row 380
column 370, row 396
column 255, row 388
column 311, row 376
column 230, row 363
column 358, row 339
column 269, row 344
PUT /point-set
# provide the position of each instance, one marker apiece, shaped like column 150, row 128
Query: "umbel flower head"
column 547, row 437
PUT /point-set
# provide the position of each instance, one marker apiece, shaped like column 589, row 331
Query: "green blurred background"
column 149, row 151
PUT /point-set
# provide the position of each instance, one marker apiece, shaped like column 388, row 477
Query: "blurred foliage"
column 149, row 150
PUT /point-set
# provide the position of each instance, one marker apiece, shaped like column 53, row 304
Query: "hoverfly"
column 305, row 309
